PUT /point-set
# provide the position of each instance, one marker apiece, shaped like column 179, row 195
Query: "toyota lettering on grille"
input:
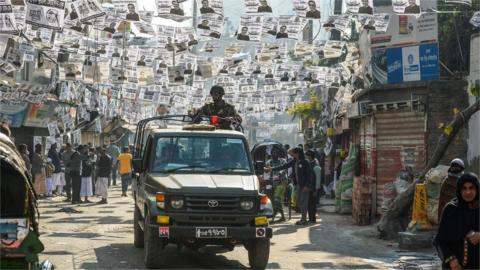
column 212, row 203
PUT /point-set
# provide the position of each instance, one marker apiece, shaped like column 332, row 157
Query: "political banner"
column 290, row 27
column 257, row 6
column 307, row 8
column 413, row 63
column 250, row 28
column 46, row 14
column 359, row 6
column 406, row 6
column 171, row 9
column 13, row 112
column 210, row 6
column 88, row 9
column 211, row 25
column 8, row 25
column 53, row 129
column 270, row 26
column 19, row 14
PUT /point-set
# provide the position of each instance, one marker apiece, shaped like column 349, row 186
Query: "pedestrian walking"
column 75, row 169
column 56, row 175
column 38, row 171
column 104, row 169
column 278, row 182
column 458, row 236
column 125, row 169
column 302, row 175
column 113, row 151
column 448, row 189
column 49, row 169
column 66, row 157
column 87, row 170
column 93, row 158
column 316, row 183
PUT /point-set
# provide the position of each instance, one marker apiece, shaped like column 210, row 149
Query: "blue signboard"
column 414, row 63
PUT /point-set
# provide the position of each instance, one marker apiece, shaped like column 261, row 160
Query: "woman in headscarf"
column 458, row 234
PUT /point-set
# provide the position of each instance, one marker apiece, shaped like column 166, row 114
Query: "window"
column 201, row 155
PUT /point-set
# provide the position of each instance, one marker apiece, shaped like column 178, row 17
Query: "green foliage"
column 307, row 110
column 454, row 31
column 474, row 88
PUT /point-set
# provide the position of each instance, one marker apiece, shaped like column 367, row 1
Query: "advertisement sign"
column 37, row 115
column 45, row 14
column 13, row 112
column 407, row 64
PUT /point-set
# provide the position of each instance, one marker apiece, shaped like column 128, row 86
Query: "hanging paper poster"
column 210, row 6
column 211, row 25
column 270, row 26
column 46, row 14
column 77, row 137
column 19, row 14
column 258, row 6
column 307, row 8
column 7, row 20
column 290, row 27
column 88, row 9
column 53, row 129
column 406, row 6
column 171, row 9
column 360, row 6
column 250, row 28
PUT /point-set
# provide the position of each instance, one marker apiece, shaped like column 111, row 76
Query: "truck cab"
column 195, row 186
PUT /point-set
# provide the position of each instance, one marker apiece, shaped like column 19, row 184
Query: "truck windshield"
column 201, row 155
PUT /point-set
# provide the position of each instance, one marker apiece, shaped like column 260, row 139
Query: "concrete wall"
column 473, row 155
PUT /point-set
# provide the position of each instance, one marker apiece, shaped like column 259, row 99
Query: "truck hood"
column 203, row 182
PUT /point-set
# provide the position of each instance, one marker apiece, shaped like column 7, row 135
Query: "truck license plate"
column 211, row 232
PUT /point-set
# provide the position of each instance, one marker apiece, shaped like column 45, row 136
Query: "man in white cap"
column 449, row 184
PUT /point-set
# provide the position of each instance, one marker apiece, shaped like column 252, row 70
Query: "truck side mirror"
column 137, row 165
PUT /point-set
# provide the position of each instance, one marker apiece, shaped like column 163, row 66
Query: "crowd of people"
column 78, row 173
column 300, row 174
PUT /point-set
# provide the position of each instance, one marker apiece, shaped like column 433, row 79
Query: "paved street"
column 101, row 237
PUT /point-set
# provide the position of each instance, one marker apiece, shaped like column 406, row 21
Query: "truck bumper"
column 190, row 232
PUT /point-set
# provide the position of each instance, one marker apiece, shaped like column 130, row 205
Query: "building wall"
column 473, row 155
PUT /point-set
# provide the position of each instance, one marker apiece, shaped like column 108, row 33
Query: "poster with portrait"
column 171, row 9
column 359, row 6
column 144, row 76
column 8, row 25
column 333, row 48
column 382, row 20
column 147, row 16
column 88, row 9
column 250, row 28
column 210, row 6
column 211, row 25
column 45, row 14
column 70, row 72
column 309, row 9
column 13, row 54
column 121, row 5
column 270, row 26
column 258, row 6
column 406, row 6
column 175, row 75
column 19, row 14
column 290, row 27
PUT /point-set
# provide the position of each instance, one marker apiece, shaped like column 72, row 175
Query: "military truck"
column 194, row 186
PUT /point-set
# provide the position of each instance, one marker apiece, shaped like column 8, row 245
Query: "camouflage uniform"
column 222, row 110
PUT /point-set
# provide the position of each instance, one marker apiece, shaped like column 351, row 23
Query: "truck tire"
column 137, row 230
column 154, row 257
column 258, row 253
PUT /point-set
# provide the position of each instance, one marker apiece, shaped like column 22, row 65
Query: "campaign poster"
column 270, row 26
column 38, row 115
column 250, row 28
column 307, row 8
column 13, row 112
column 360, row 6
column 210, row 6
column 406, row 6
column 46, row 14
column 258, row 6
column 8, row 25
column 88, row 9
column 290, row 27
column 171, row 9
column 210, row 25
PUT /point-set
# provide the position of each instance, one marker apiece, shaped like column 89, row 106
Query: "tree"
column 307, row 110
column 396, row 218
column 454, row 31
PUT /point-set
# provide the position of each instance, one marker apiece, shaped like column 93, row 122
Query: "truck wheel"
column 153, row 247
column 258, row 253
column 137, row 230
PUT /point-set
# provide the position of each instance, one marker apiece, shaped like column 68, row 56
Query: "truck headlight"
column 176, row 203
column 247, row 205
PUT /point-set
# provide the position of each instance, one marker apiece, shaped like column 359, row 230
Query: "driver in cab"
column 219, row 108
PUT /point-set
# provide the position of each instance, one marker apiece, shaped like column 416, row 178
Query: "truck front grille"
column 211, row 204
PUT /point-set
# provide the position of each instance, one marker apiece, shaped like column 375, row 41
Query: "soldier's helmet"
column 217, row 89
